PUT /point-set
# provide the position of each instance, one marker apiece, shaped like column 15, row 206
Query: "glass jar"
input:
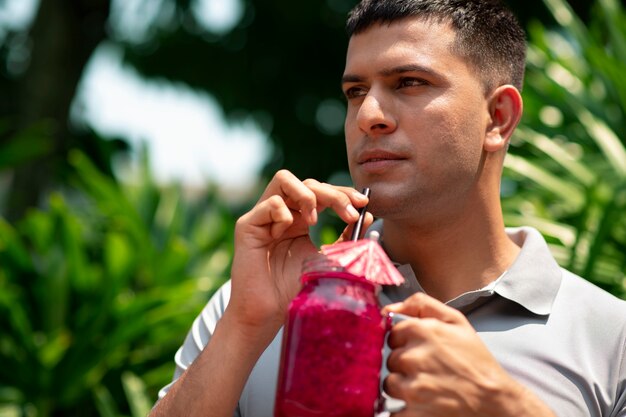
column 332, row 346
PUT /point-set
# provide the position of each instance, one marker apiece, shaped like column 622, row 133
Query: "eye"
column 411, row 82
column 355, row 92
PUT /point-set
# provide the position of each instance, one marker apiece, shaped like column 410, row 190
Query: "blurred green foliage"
column 24, row 146
column 567, row 163
column 97, row 291
column 279, row 65
column 99, row 285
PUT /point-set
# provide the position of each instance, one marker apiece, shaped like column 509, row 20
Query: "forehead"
column 411, row 40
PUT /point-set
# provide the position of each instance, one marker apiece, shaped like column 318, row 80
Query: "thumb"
column 423, row 306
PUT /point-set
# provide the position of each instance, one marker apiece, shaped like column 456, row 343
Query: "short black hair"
column 488, row 34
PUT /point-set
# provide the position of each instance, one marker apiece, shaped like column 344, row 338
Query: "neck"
column 453, row 257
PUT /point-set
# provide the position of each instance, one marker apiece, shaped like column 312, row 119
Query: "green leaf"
column 104, row 402
column 136, row 394
column 563, row 232
column 54, row 348
column 28, row 144
column 10, row 395
column 10, row 411
column 562, row 188
column 606, row 140
column 572, row 166
column 613, row 15
column 12, row 247
column 565, row 16
column 119, row 256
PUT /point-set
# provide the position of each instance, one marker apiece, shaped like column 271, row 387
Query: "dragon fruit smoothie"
column 332, row 348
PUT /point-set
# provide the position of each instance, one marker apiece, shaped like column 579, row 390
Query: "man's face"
column 416, row 120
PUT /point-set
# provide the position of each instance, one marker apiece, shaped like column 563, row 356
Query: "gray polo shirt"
column 556, row 333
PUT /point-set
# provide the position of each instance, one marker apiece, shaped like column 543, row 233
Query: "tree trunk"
column 64, row 36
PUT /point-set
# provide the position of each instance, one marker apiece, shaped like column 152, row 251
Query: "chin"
column 395, row 204
column 386, row 207
column 385, row 211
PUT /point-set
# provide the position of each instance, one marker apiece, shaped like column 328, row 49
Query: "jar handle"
column 388, row 404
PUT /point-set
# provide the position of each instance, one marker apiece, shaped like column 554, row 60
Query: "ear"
column 505, row 110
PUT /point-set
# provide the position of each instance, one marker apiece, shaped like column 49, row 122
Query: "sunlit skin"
column 424, row 135
column 419, row 108
column 422, row 132
column 429, row 139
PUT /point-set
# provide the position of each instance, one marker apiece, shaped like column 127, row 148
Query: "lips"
column 379, row 162
column 375, row 156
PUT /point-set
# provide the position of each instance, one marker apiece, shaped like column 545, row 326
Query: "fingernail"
column 353, row 212
column 359, row 195
column 313, row 216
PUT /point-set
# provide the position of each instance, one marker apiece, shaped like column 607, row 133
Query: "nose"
column 373, row 117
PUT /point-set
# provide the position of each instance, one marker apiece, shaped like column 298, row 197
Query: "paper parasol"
column 364, row 258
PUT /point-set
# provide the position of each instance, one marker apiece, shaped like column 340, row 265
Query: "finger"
column 347, row 231
column 404, row 360
column 296, row 195
column 342, row 200
column 411, row 331
column 358, row 198
column 416, row 391
column 423, row 306
column 267, row 221
column 395, row 385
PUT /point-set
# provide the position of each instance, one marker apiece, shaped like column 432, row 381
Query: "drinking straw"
column 359, row 223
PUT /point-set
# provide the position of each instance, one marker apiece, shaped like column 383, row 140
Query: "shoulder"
column 599, row 322
column 579, row 291
column 589, row 310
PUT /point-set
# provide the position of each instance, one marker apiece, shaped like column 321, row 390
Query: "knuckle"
column 341, row 200
column 419, row 297
column 458, row 315
column 275, row 202
column 392, row 385
column 310, row 182
column 307, row 198
column 283, row 175
column 240, row 221
column 426, row 387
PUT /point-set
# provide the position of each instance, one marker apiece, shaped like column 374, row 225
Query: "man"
column 433, row 97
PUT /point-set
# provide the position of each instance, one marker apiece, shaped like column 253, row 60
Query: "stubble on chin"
column 393, row 207
column 410, row 211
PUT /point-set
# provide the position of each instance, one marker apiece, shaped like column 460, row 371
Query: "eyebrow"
column 353, row 78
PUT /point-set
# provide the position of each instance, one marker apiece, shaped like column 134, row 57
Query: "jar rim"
column 315, row 266
column 321, row 261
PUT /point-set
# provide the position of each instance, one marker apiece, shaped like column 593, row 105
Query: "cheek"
column 350, row 123
column 455, row 147
column 463, row 129
column 351, row 133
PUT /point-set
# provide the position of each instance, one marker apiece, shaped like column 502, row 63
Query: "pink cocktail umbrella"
column 364, row 257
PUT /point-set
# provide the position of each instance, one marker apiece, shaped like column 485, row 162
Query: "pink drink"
column 332, row 348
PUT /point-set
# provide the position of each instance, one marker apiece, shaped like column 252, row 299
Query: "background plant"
column 567, row 165
column 279, row 64
column 100, row 283
column 97, row 291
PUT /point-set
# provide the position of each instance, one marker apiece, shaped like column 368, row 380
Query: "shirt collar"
column 532, row 281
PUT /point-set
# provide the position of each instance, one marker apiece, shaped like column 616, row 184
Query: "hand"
column 272, row 240
column 440, row 367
